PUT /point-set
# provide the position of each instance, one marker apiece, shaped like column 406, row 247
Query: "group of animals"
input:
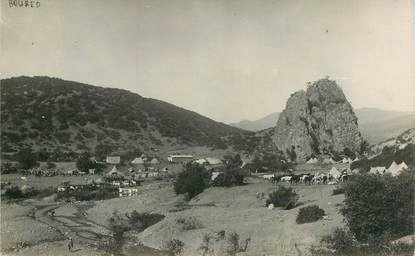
column 307, row 178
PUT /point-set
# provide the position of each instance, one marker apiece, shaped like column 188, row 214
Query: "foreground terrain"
column 236, row 209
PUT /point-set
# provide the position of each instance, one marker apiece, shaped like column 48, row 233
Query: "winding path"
column 76, row 226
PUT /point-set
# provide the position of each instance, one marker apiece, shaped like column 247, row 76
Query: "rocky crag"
column 317, row 121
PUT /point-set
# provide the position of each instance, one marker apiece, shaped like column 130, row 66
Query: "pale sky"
column 226, row 59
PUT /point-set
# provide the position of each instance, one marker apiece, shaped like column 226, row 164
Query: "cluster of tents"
column 345, row 160
column 394, row 169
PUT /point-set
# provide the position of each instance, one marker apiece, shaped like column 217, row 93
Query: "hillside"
column 260, row 124
column 377, row 125
column 64, row 116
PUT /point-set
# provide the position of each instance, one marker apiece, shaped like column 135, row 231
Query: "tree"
column 14, row 192
column 349, row 153
column 118, row 226
column 26, row 158
column 283, row 197
column 376, row 206
column 101, row 150
column 364, row 147
column 84, row 163
column 193, row 180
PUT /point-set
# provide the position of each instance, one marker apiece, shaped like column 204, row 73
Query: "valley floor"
column 236, row 209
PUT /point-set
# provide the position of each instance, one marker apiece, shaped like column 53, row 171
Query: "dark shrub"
column 141, row 221
column 310, row 213
column 26, row 158
column 283, row 197
column 174, row 247
column 14, row 193
column 192, row 181
column 117, row 226
column 190, row 223
column 378, row 205
column 228, row 178
column 341, row 240
column 8, row 168
column 232, row 175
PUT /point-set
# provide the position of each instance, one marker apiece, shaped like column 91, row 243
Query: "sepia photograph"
column 207, row 127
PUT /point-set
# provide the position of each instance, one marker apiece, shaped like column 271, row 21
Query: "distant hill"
column 55, row 115
column 260, row 124
column 375, row 124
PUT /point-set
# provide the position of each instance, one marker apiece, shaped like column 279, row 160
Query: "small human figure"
column 70, row 244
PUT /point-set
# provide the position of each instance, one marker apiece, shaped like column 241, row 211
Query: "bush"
column 283, row 197
column 174, row 247
column 141, row 221
column 232, row 243
column 233, row 175
column 8, row 168
column 378, row 205
column 228, row 243
column 14, row 192
column 26, row 158
column 189, row 223
column 310, row 213
column 342, row 242
column 229, row 178
column 118, row 226
column 192, row 181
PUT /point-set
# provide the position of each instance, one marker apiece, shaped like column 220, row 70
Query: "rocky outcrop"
column 317, row 121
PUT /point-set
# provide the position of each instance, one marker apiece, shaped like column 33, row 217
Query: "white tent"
column 215, row 175
column 213, row 161
column 403, row 166
column 395, row 169
column 114, row 172
column 312, row 161
column 377, row 170
column 138, row 160
column 329, row 161
column 154, row 161
column 335, row 173
column 200, row 161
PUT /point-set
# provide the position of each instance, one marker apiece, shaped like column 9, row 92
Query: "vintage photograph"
column 207, row 127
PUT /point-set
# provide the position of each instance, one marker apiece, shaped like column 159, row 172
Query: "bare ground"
column 272, row 232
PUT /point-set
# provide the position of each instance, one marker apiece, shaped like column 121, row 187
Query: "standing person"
column 70, row 244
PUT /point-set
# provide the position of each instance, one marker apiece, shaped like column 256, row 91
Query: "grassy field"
column 236, row 209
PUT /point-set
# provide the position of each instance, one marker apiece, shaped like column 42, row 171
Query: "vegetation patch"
column 173, row 247
column 309, row 214
column 189, row 223
column 378, row 210
column 284, row 197
column 89, row 192
column 192, row 181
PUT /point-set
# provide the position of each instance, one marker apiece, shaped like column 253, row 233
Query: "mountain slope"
column 378, row 125
column 54, row 114
column 260, row 124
